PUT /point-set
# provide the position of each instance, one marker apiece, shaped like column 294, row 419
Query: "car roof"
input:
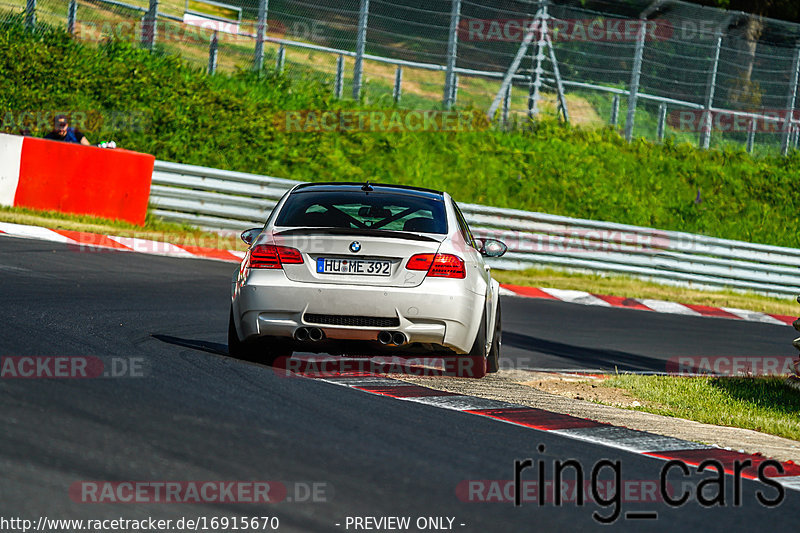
column 352, row 186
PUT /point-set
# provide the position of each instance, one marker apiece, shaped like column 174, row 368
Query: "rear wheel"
column 266, row 350
column 474, row 366
column 493, row 357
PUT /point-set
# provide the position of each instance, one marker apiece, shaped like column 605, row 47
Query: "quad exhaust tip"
column 308, row 334
column 394, row 338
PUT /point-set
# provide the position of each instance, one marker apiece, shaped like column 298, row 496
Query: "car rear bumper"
column 438, row 312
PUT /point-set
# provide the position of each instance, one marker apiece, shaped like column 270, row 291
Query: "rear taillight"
column 270, row 256
column 438, row 265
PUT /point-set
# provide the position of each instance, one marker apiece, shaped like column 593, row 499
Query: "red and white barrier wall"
column 72, row 178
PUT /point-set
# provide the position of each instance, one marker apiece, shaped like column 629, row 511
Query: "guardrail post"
column 662, row 121
column 72, row 13
column 614, row 111
column 280, row 59
column 30, row 14
column 398, row 84
column 705, row 132
column 636, row 72
column 506, row 105
column 338, row 83
column 149, row 22
column 261, row 31
column 361, row 42
column 751, row 135
column 790, row 102
column 452, row 53
column 212, row 52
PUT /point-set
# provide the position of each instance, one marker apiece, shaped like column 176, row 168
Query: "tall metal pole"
column 338, row 83
column 705, row 133
column 540, row 23
column 361, row 41
column 213, row 46
column 791, row 99
column 149, row 26
column 452, row 53
column 633, row 96
column 261, row 30
column 614, row 111
column 662, row 121
column 30, row 14
column 636, row 73
column 72, row 13
column 398, row 85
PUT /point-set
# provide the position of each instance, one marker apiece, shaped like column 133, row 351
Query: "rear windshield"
column 375, row 210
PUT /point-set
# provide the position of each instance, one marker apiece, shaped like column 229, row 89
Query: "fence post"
column 455, row 88
column 361, row 42
column 149, row 22
column 338, row 83
column 452, row 53
column 506, row 105
column 398, row 84
column 30, row 14
column 751, row 135
column 261, row 30
column 280, row 59
column 72, row 13
column 212, row 52
column 636, row 73
column 790, row 103
column 614, row 111
column 662, row 121
column 705, row 132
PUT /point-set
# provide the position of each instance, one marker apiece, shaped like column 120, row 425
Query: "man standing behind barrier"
column 63, row 132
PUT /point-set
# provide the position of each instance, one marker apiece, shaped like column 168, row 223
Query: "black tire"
column 493, row 357
column 474, row 365
column 266, row 350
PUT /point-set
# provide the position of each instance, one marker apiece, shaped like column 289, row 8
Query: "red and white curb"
column 630, row 440
column 658, row 306
column 85, row 241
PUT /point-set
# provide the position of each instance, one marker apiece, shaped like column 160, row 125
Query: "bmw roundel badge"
column 355, row 246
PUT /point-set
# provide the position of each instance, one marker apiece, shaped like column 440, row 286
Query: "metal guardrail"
column 234, row 201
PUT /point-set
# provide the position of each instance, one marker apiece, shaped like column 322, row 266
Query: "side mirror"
column 249, row 235
column 493, row 248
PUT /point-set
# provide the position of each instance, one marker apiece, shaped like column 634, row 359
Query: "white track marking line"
column 752, row 316
column 33, row 232
column 630, row 439
column 672, row 308
column 576, row 297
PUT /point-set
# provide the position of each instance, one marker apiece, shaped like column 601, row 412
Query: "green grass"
column 228, row 121
column 764, row 404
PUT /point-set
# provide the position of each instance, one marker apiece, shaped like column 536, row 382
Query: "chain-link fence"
column 653, row 68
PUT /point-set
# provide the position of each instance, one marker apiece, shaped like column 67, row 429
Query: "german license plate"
column 359, row 267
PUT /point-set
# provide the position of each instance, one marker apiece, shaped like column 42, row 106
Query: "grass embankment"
column 228, row 122
column 765, row 404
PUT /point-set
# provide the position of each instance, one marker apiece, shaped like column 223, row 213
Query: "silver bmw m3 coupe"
column 365, row 269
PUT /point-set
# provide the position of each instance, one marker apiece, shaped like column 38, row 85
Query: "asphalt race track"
column 191, row 413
